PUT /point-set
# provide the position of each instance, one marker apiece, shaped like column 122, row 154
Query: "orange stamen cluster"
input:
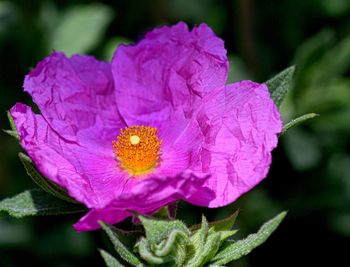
column 137, row 149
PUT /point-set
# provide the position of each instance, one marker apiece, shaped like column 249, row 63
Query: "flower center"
column 137, row 149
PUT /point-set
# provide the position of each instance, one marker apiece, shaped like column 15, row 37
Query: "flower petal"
column 171, row 67
column 240, row 124
column 88, row 172
column 74, row 94
column 145, row 197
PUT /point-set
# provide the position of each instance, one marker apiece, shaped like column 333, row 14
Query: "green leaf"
column 224, row 224
column 234, row 251
column 280, row 84
column 158, row 230
column 298, row 121
column 119, row 247
column 81, row 28
column 109, row 259
column 206, row 242
column 227, row 234
column 175, row 237
column 171, row 251
column 208, row 251
column 146, row 253
column 128, row 238
column 36, row 202
column 198, row 239
column 42, row 182
column 174, row 248
column 13, row 132
column 220, row 225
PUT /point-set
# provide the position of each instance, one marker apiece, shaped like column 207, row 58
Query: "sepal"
column 13, row 132
column 280, row 84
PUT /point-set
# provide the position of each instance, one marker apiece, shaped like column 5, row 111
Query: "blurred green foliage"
column 310, row 175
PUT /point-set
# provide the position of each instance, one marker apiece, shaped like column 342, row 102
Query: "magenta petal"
column 89, row 173
column 171, row 67
column 108, row 215
column 240, row 124
column 74, row 94
column 145, row 197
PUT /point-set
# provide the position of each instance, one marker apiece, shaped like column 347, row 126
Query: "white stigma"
column 134, row 140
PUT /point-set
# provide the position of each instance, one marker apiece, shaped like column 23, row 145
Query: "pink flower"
column 156, row 125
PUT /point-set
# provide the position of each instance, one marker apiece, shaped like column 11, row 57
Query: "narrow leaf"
column 13, row 132
column 298, row 121
column 158, row 230
column 42, row 182
column 207, row 252
column 199, row 237
column 119, row 247
column 109, row 259
column 280, row 84
column 234, row 251
column 36, row 202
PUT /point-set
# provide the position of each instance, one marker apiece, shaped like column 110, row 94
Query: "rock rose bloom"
column 155, row 125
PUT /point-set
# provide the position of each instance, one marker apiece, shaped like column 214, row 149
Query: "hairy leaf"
column 119, row 247
column 234, row 251
column 225, row 224
column 199, row 237
column 280, row 84
column 146, row 253
column 36, row 202
column 220, row 225
column 297, row 121
column 207, row 252
column 109, row 259
column 175, row 237
column 158, row 230
column 13, row 132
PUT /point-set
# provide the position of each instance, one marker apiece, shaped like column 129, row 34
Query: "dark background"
column 310, row 174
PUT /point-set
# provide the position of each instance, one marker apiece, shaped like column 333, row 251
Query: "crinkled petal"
column 240, row 124
column 75, row 94
column 145, row 197
column 88, row 172
column 171, row 67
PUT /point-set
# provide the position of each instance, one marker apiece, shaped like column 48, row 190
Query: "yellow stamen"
column 137, row 149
